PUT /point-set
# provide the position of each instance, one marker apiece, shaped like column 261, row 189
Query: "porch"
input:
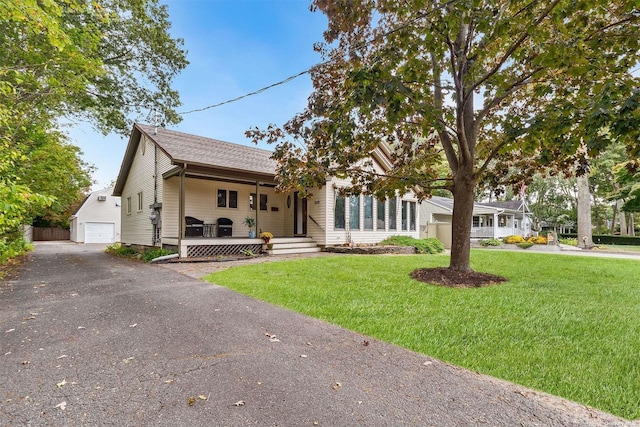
column 206, row 247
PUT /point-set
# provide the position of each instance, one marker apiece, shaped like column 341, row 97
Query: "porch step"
column 282, row 246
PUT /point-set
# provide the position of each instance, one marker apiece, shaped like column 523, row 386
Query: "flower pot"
column 252, row 234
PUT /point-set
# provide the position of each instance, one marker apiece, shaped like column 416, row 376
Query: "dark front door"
column 299, row 215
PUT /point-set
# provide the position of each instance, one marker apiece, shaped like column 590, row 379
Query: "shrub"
column 537, row 240
column 150, row 254
column 524, row 245
column 118, row 250
column 490, row 242
column 13, row 248
column 430, row 245
column 514, row 239
column 572, row 242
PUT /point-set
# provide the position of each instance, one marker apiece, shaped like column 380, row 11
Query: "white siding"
column 94, row 210
column 341, row 236
column 136, row 226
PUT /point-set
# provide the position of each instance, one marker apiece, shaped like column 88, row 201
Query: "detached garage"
column 97, row 220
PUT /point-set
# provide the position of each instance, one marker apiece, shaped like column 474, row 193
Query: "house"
column 490, row 220
column 97, row 220
column 192, row 194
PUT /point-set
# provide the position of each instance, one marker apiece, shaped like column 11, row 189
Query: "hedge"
column 605, row 239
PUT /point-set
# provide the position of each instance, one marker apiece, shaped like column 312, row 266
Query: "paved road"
column 87, row 339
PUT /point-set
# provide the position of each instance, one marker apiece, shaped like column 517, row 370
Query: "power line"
column 308, row 70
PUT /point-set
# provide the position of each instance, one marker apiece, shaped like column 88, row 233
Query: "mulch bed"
column 443, row 276
column 371, row 250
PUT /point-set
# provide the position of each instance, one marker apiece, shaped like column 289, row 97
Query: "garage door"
column 99, row 232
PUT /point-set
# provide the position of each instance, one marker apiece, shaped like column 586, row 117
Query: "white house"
column 97, row 220
column 193, row 193
column 490, row 220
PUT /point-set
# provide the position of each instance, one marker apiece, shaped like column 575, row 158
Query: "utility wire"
column 308, row 70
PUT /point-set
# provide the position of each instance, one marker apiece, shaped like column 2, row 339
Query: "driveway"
column 88, row 339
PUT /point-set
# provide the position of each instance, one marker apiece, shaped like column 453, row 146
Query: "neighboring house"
column 497, row 219
column 97, row 220
column 192, row 193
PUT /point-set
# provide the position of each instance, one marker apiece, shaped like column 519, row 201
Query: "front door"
column 299, row 215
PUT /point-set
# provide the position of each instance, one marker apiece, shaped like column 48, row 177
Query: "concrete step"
column 281, row 240
column 291, row 245
column 286, row 251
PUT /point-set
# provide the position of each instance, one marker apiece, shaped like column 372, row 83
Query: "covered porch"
column 204, row 212
column 208, row 247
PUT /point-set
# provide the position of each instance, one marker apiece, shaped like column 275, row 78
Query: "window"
column 354, row 213
column 338, row 213
column 405, row 212
column 263, row 202
column 368, row 212
column 393, row 214
column 128, row 205
column 380, row 215
column 408, row 216
column 412, row 216
column 252, row 201
column 476, row 221
column 227, row 199
column 233, row 199
column 222, row 198
column 139, row 201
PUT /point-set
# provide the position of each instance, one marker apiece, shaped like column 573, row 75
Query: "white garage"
column 97, row 220
column 99, row 232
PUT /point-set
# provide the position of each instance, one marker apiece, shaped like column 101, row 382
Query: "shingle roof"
column 198, row 150
column 514, row 205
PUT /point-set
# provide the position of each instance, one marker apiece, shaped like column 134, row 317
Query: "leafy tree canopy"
column 100, row 60
column 498, row 88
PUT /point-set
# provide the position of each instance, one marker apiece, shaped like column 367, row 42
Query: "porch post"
column 181, row 220
column 256, row 204
column 495, row 225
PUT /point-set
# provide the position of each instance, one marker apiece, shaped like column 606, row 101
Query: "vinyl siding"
column 201, row 203
column 92, row 210
column 361, row 236
column 136, row 227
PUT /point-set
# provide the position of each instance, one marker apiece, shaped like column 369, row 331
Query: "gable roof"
column 198, row 151
column 479, row 208
column 94, row 195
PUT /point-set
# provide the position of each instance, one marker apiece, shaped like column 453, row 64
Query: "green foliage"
column 247, row 252
column 490, row 242
column 530, row 330
column 569, row 241
column 122, row 251
column 525, row 245
column 11, row 248
column 496, row 93
column 605, row 239
column 430, row 245
column 150, row 254
column 101, row 61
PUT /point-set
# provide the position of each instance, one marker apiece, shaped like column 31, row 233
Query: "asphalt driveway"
column 88, row 339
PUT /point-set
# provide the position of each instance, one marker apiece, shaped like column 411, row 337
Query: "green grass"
column 565, row 325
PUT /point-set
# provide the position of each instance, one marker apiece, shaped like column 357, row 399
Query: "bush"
column 490, row 242
column 514, row 239
column 609, row 240
column 524, row 245
column 118, row 250
column 430, row 245
column 13, row 248
column 571, row 242
column 537, row 240
column 150, row 254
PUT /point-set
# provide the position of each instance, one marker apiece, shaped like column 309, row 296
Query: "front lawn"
column 566, row 325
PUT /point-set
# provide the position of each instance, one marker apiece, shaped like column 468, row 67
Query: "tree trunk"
column 613, row 219
column 463, row 200
column 585, row 238
column 632, row 226
column 624, row 230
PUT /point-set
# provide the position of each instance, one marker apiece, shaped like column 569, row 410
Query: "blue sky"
column 234, row 47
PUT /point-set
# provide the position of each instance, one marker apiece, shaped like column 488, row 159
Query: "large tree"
column 104, row 61
column 499, row 88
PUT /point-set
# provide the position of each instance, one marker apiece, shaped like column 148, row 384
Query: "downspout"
column 181, row 220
